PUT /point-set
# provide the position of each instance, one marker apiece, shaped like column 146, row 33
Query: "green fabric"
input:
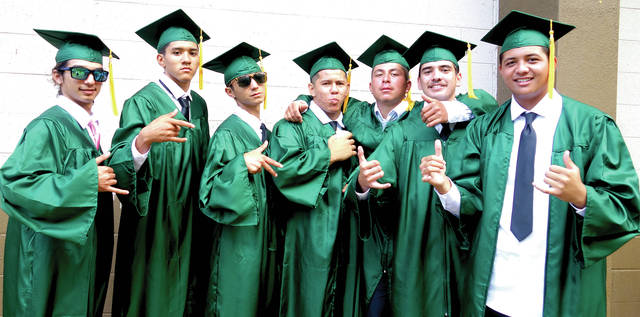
column 390, row 56
column 384, row 50
column 242, row 65
column 78, row 51
column 243, row 265
column 438, row 54
column 238, row 61
column 326, row 63
column 577, row 246
column 173, row 34
column 315, row 279
column 59, row 238
column 160, row 222
column 524, row 37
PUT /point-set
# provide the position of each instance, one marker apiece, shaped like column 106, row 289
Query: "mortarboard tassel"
column 264, row 104
column 408, row 98
column 471, row 93
column 200, row 83
column 112, row 89
column 346, row 99
column 552, row 61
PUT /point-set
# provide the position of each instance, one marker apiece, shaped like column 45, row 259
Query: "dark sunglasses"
column 81, row 73
column 245, row 80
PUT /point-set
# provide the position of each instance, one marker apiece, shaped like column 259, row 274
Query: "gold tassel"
column 552, row 61
column 346, row 99
column 471, row 93
column 264, row 104
column 200, row 83
column 407, row 98
column 112, row 88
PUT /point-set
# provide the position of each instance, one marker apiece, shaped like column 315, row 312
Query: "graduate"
column 58, row 194
column 234, row 194
column 547, row 190
column 423, row 274
column 317, row 157
column 158, row 154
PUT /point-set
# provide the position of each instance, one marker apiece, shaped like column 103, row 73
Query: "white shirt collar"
column 249, row 119
column 76, row 111
column 546, row 107
column 173, row 87
column 323, row 117
column 399, row 110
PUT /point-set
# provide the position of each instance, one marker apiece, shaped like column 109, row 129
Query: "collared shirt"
column 323, row 117
column 249, row 119
column 393, row 115
column 81, row 116
column 174, row 92
column 517, row 280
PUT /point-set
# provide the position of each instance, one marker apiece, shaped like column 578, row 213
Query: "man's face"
column 250, row 96
column 439, row 79
column 180, row 61
column 329, row 90
column 389, row 84
column 525, row 71
column 82, row 92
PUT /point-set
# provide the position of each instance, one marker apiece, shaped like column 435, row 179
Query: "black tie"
column 334, row 125
column 263, row 128
column 445, row 132
column 522, row 212
column 185, row 102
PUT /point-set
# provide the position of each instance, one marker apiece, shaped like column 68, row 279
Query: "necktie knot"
column 263, row 129
column 529, row 117
column 185, row 102
column 334, row 125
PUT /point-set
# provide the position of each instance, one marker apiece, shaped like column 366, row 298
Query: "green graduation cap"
column 238, row 61
column 431, row 47
column 176, row 26
column 330, row 56
column 518, row 29
column 384, row 50
column 74, row 45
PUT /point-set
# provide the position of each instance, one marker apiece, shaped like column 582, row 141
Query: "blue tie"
column 522, row 211
column 263, row 129
column 185, row 103
column 334, row 125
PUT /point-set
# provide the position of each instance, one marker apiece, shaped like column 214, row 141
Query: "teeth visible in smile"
column 522, row 80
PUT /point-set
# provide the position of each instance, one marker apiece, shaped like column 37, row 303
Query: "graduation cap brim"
column 517, row 20
column 307, row 60
column 382, row 44
column 152, row 32
column 59, row 38
column 239, row 60
column 429, row 40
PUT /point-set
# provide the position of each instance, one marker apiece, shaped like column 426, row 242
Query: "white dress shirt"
column 393, row 115
column 518, row 277
column 249, row 119
column 174, row 93
column 324, row 118
column 81, row 116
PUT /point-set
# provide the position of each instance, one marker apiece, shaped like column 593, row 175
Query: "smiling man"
column 317, row 158
column 234, row 194
column 158, row 155
column 539, row 250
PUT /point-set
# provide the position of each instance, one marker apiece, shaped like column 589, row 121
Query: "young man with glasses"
column 548, row 189
column 158, row 155
column 58, row 194
column 233, row 193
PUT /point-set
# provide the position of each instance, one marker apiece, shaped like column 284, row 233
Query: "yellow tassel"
column 200, row 83
column 264, row 104
column 346, row 99
column 471, row 93
column 552, row 61
column 407, row 98
column 112, row 88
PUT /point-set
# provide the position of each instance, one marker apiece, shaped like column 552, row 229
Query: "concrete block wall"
column 285, row 29
column 623, row 266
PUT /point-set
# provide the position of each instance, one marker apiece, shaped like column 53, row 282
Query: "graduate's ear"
column 160, row 59
column 57, row 77
column 406, row 91
column 311, row 89
column 229, row 92
column 458, row 79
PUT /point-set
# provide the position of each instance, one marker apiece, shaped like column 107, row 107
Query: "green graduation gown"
column 243, row 255
column 317, row 227
column 577, row 247
column 420, row 285
column 156, row 234
column 59, row 239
